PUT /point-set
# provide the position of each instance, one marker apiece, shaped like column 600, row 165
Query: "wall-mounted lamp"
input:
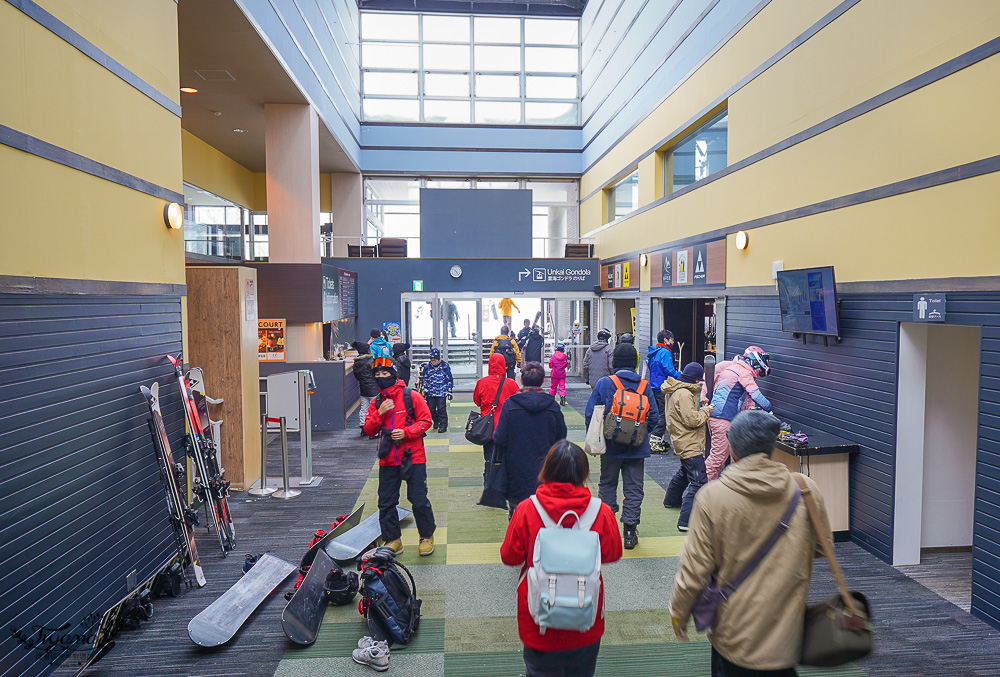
column 643, row 260
column 742, row 240
column 173, row 215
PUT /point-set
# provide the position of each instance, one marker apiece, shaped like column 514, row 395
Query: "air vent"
column 215, row 75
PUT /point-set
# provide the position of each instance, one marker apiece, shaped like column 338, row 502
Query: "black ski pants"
column 439, row 410
column 390, row 478
column 660, row 429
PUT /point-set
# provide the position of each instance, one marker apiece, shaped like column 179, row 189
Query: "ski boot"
column 656, row 444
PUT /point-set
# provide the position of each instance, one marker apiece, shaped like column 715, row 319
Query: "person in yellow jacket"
column 507, row 346
column 759, row 627
column 505, row 306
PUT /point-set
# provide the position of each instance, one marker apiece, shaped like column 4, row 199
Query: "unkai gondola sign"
column 270, row 340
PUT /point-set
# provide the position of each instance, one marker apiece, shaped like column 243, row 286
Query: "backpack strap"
column 411, row 414
column 617, row 381
column 546, row 520
column 641, row 388
column 589, row 516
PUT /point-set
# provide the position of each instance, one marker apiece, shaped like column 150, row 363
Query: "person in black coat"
column 402, row 361
column 366, row 379
column 533, row 346
column 530, row 423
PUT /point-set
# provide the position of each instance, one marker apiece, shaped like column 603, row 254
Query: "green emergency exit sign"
column 418, row 285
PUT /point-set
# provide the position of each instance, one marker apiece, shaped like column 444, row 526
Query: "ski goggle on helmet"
column 758, row 360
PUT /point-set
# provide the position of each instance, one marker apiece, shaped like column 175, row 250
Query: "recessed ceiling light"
column 189, row 90
column 240, row 131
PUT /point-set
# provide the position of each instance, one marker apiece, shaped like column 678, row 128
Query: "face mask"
column 384, row 382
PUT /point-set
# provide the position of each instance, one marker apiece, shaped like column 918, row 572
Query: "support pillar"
column 348, row 204
column 291, row 134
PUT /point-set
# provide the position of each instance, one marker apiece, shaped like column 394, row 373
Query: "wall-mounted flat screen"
column 808, row 300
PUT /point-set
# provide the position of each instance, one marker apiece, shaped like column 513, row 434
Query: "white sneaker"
column 367, row 641
column 374, row 656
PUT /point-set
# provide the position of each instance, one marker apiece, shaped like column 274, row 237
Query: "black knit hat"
column 693, row 372
column 398, row 349
column 625, row 357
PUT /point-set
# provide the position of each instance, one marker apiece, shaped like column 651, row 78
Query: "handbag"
column 495, row 484
column 595, row 445
column 837, row 630
column 706, row 607
column 479, row 427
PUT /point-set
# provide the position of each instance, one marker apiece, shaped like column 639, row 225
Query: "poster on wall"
column 270, row 340
column 394, row 330
column 682, row 267
column 695, row 265
column 251, row 301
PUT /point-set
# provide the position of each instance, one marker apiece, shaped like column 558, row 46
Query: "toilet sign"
column 928, row 307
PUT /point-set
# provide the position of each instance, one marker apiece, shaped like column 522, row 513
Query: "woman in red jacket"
column 485, row 392
column 558, row 652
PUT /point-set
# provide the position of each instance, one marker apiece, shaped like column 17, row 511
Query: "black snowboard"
column 348, row 547
column 709, row 376
column 217, row 624
column 349, row 523
column 303, row 615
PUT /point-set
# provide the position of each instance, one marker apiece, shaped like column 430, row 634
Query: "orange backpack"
column 625, row 418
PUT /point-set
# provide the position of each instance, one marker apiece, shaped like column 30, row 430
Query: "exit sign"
column 418, row 285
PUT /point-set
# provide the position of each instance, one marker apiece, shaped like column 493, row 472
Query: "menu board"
column 348, row 291
column 270, row 340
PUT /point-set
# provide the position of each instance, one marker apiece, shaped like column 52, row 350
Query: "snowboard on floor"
column 303, row 615
column 349, row 546
column 217, row 624
column 349, row 523
column 182, row 516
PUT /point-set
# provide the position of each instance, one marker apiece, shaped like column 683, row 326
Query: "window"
column 213, row 226
column 392, row 209
column 702, row 153
column 623, row 197
column 463, row 69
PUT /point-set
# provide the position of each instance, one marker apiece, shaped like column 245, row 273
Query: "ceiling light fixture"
column 173, row 215
column 189, row 90
column 238, row 130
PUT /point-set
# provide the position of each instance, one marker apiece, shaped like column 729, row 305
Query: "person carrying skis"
column 505, row 345
column 401, row 455
column 533, row 345
column 736, row 382
column 661, row 366
column 437, row 385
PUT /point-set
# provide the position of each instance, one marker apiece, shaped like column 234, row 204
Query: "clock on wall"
column 456, row 271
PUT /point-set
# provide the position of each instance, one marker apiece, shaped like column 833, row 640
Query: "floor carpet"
column 469, row 626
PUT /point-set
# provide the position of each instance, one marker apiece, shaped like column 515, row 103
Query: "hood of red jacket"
column 497, row 364
column 558, row 497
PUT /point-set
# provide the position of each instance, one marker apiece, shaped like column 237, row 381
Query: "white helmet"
column 758, row 360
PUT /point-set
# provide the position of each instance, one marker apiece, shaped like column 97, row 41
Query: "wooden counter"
column 825, row 459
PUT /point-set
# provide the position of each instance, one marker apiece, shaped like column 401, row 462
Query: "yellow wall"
column 64, row 223
column 260, row 191
column 945, row 124
column 210, row 170
column 325, row 189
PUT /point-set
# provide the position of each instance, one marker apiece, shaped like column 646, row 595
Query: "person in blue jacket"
column 436, row 382
column 626, row 460
column 661, row 367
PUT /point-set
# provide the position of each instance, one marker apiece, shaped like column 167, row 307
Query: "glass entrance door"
column 461, row 332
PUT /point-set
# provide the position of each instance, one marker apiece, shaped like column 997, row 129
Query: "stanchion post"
column 285, row 492
column 263, row 489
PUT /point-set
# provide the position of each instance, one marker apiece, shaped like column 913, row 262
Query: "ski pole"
column 263, row 489
column 285, row 492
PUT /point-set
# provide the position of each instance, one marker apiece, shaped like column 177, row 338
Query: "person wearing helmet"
column 628, row 338
column 735, row 385
column 597, row 361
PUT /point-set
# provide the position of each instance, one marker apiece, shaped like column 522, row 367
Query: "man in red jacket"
column 565, row 652
column 401, row 456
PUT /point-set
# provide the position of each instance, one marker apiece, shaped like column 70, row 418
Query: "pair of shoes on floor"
column 396, row 545
column 372, row 653
column 426, row 546
column 631, row 536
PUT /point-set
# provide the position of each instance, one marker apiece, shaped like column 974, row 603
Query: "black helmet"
column 341, row 587
column 604, row 334
column 626, row 338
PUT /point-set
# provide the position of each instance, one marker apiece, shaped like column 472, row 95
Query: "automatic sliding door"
column 461, row 336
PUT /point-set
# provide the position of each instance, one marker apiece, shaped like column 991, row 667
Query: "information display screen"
column 808, row 300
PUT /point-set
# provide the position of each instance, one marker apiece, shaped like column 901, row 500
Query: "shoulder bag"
column 479, row 427
column 837, row 629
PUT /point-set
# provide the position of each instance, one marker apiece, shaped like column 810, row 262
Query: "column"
column 347, row 198
column 291, row 134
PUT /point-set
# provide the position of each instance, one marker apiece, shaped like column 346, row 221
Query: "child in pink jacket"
column 557, row 372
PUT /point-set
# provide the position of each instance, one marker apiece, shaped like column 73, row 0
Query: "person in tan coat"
column 686, row 424
column 758, row 630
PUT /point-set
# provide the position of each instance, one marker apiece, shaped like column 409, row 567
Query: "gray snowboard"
column 303, row 615
column 349, row 523
column 348, row 547
column 217, row 624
